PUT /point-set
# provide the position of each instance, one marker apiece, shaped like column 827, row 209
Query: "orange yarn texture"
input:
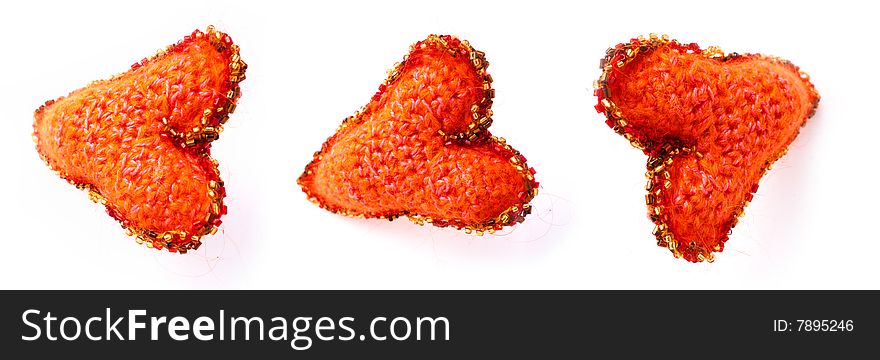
column 140, row 142
column 711, row 124
column 420, row 148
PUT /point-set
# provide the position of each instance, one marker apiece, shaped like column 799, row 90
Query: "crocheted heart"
column 711, row 124
column 139, row 143
column 421, row 148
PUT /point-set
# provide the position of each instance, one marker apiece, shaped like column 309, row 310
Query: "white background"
column 811, row 225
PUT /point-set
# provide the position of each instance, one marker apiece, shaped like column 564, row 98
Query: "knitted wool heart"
column 421, row 148
column 140, row 142
column 711, row 124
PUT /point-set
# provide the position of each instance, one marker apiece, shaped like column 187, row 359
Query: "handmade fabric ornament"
column 711, row 125
column 421, row 148
column 140, row 142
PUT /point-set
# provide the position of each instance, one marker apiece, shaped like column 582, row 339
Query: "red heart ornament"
column 711, row 124
column 140, row 142
column 421, row 148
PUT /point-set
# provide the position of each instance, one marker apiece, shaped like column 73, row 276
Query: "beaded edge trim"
column 481, row 114
column 659, row 158
column 199, row 138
